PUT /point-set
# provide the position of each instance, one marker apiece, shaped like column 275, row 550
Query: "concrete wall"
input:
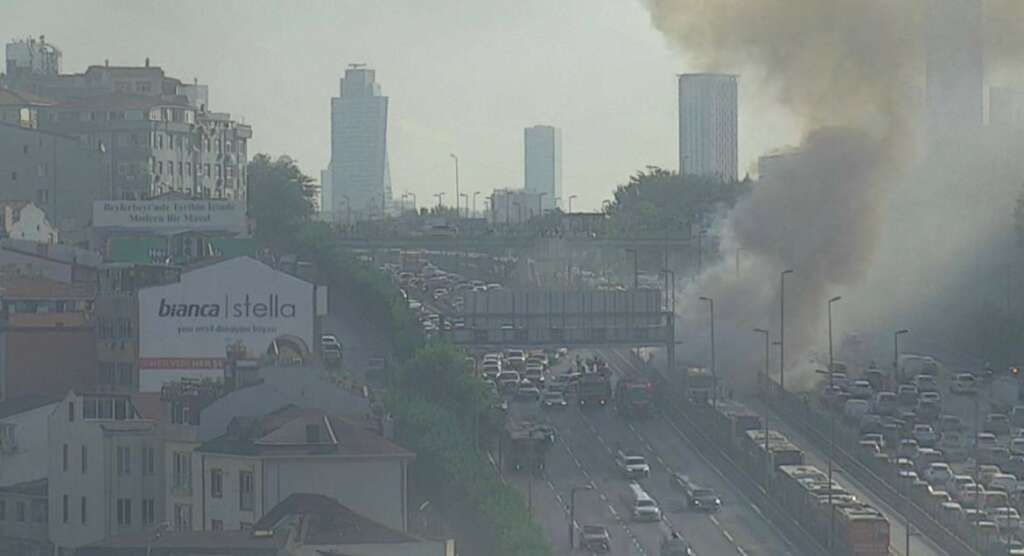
column 28, row 461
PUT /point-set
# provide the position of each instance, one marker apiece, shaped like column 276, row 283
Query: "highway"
column 584, row 454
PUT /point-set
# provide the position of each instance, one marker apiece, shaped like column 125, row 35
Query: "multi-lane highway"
column 584, row 455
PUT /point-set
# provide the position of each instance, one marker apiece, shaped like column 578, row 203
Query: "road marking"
column 740, row 550
column 728, row 537
column 715, row 521
column 614, row 513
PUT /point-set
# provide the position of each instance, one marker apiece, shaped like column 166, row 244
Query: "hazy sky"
column 464, row 76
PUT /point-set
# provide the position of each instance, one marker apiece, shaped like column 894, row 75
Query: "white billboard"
column 241, row 305
column 168, row 215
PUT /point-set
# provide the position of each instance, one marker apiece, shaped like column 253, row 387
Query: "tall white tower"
column 360, row 178
column 543, row 159
column 708, row 125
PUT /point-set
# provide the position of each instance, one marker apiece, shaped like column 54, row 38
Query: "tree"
column 656, row 201
column 280, row 198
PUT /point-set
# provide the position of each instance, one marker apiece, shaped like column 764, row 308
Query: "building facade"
column 360, row 177
column 543, row 163
column 24, row 220
column 709, row 125
column 955, row 67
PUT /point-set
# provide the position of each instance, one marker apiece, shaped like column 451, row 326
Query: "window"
column 3, row 510
column 182, row 471
column 107, row 404
column 65, row 509
column 183, row 517
column 24, row 149
column 216, row 525
column 180, row 169
column 85, row 459
column 142, row 86
column 170, row 168
column 188, row 168
column 148, row 460
column 64, row 458
column 206, row 170
column 124, row 461
column 40, row 509
column 216, row 483
column 245, row 490
column 148, row 511
column 22, row 511
column 14, row 176
column 124, row 511
column 120, row 407
column 90, row 403
column 159, row 167
column 71, row 412
column 124, row 375
column 85, row 512
column 159, row 142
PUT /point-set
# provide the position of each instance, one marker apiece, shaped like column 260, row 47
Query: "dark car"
column 595, row 538
column 553, row 400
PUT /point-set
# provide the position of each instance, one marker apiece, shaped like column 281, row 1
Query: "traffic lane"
column 358, row 342
column 812, row 456
column 739, row 522
column 564, row 470
column 726, row 532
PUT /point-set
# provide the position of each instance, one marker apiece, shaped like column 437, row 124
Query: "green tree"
column 656, row 201
column 280, row 199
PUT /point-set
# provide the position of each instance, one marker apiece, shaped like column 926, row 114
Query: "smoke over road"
column 852, row 72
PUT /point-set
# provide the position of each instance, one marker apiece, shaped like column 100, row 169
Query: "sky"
column 463, row 77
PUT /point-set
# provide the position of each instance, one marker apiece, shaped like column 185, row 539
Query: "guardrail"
column 879, row 477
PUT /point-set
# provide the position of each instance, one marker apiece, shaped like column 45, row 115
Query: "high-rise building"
column 543, row 145
column 955, row 66
column 359, row 158
column 708, row 125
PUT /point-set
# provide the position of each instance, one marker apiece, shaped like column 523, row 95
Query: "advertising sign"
column 237, row 308
column 167, row 215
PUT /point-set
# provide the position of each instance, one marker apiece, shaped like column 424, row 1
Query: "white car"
column 1005, row 518
column 1004, row 482
column 861, row 389
column 930, row 397
column 961, row 484
column 938, row 474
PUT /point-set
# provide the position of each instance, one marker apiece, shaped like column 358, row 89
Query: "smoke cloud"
column 852, row 72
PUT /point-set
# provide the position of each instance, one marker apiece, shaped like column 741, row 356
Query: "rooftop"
column 14, row 406
column 10, row 97
column 121, row 101
column 286, row 432
column 38, row 487
column 329, row 522
column 37, row 287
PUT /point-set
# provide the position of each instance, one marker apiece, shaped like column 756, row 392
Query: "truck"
column 525, row 445
column 699, row 385
column 633, row 396
column 594, row 389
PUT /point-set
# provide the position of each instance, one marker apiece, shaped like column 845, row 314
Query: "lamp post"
column 475, row 193
column 896, row 354
column 572, row 510
column 571, row 197
column 714, row 370
column 440, row 197
column 782, row 328
column 456, row 159
column 767, row 348
column 832, row 426
column 636, row 267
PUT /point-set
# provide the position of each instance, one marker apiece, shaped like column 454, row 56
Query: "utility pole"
column 456, row 159
column 832, row 427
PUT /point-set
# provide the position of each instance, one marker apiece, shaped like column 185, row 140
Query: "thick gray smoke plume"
column 852, row 71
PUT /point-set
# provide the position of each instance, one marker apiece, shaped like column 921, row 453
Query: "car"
column 1004, row 482
column 703, row 499
column 924, row 435
column 926, row 383
column 527, row 391
column 553, row 400
column 964, row 383
column 930, row 396
column 986, row 472
column 840, row 380
column 985, row 441
column 907, row 394
column 875, row 437
column 490, row 369
column 1005, row 518
column 1017, row 416
column 329, row 339
column 997, row 423
column 885, row 403
column 508, row 379
column 961, row 484
column 1017, row 446
column 595, row 538
column 860, row 389
column 905, row 469
column 632, row 465
column 908, row 448
column 855, row 409
column 938, row 474
column 928, row 410
column 954, row 445
column 946, row 423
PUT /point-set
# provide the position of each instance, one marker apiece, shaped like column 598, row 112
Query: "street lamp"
column 572, row 510
column 896, row 353
column 714, row 370
column 636, row 267
column 571, row 197
column 456, row 159
column 782, row 329
column 832, row 426
column 767, row 347
column 439, row 196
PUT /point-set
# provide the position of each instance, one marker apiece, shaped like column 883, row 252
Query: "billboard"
column 168, row 215
column 239, row 306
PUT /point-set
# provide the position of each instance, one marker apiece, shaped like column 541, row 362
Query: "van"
column 641, row 506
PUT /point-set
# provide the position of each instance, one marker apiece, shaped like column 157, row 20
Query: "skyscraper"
column 955, row 66
column 543, row 148
column 359, row 157
column 708, row 125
